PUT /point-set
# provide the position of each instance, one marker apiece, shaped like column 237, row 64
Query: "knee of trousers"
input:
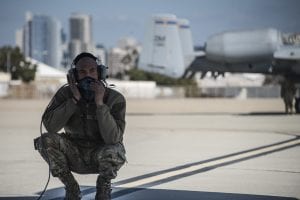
column 48, row 140
column 111, row 156
column 49, row 144
column 45, row 143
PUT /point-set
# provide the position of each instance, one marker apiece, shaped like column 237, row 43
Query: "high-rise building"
column 115, row 64
column 124, row 57
column 81, row 38
column 100, row 53
column 41, row 39
column 19, row 39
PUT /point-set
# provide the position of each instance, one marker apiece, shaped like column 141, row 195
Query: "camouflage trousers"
column 65, row 155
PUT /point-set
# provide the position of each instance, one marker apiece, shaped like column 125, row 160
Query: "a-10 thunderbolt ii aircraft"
column 168, row 49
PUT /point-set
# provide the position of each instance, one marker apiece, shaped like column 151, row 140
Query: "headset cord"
column 45, row 188
column 47, row 157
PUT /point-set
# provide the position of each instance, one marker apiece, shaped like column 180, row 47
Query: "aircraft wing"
column 288, row 53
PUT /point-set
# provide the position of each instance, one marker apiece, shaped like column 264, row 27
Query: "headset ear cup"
column 74, row 71
column 101, row 72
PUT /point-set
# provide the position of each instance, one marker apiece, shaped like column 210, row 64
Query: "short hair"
column 84, row 55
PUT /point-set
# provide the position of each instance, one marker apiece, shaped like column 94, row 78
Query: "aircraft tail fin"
column 167, row 47
column 186, row 42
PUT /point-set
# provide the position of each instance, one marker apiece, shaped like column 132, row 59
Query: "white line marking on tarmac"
column 208, row 164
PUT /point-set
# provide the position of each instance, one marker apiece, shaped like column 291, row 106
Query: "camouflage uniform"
column 93, row 137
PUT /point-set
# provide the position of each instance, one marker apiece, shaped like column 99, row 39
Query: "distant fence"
column 3, row 89
column 242, row 92
column 143, row 90
column 33, row 90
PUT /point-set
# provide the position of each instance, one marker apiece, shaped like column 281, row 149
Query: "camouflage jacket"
column 86, row 122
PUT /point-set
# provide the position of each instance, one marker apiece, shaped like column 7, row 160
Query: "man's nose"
column 88, row 73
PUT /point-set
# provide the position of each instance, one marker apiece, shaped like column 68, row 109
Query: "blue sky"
column 114, row 19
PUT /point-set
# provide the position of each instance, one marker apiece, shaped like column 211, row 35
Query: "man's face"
column 87, row 67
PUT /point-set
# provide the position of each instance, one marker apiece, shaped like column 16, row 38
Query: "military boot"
column 103, row 189
column 72, row 187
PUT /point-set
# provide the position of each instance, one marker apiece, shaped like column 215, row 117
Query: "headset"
column 101, row 69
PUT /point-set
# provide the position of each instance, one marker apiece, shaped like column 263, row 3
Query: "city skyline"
column 113, row 20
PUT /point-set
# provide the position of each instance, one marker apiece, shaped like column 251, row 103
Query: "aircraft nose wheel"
column 297, row 105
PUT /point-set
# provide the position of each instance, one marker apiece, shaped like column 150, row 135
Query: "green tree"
column 27, row 71
column 136, row 74
column 14, row 62
column 189, row 85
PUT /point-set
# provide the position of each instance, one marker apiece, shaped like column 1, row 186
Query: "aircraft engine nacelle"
column 243, row 46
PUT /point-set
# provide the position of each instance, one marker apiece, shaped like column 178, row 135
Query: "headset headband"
column 83, row 55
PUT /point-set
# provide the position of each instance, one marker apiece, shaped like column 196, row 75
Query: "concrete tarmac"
column 176, row 149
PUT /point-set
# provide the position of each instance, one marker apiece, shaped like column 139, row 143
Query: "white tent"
column 46, row 71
